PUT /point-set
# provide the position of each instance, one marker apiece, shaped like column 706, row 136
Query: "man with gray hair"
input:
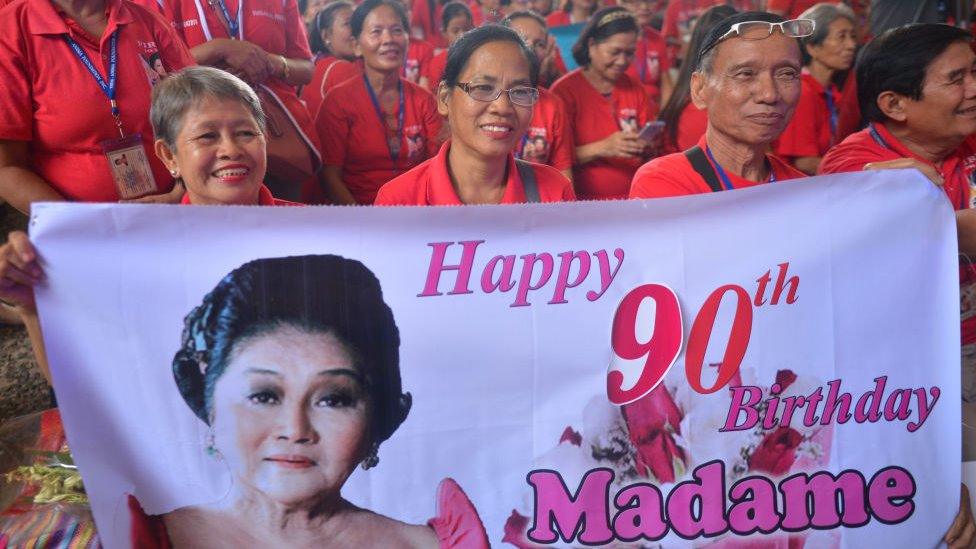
column 748, row 80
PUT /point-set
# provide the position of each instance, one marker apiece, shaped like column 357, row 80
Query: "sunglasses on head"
column 760, row 30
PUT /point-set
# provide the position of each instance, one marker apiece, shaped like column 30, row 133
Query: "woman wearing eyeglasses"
column 487, row 94
column 606, row 107
column 747, row 77
column 377, row 126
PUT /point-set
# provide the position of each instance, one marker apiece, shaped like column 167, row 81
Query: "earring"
column 371, row 459
column 212, row 450
column 173, row 173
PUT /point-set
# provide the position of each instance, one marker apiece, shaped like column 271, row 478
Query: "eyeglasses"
column 760, row 30
column 523, row 96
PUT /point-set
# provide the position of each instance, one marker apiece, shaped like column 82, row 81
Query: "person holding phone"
column 606, row 107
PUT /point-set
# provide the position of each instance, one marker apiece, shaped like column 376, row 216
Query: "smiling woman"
column 293, row 363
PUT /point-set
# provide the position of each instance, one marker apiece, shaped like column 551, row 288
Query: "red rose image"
column 785, row 378
column 652, row 422
column 777, row 452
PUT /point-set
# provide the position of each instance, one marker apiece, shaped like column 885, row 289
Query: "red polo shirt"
column 594, row 117
column 264, row 199
column 435, row 70
column 650, row 62
column 275, row 26
column 672, row 175
column 430, row 185
column 329, row 72
column 958, row 171
column 429, row 23
column 808, row 133
column 48, row 98
column 419, row 54
column 354, row 137
column 549, row 139
column 861, row 148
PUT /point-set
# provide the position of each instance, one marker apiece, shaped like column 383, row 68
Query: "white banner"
column 808, row 330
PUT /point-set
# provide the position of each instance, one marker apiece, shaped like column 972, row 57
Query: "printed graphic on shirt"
column 652, row 68
column 627, row 119
column 411, row 70
column 154, row 67
column 969, row 168
column 416, row 143
column 534, row 146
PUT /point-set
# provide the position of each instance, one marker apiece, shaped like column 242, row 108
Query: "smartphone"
column 651, row 130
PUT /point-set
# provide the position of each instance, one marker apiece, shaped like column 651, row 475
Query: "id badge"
column 130, row 167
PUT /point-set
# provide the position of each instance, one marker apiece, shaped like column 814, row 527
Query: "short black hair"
column 363, row 10
column 605, row 23
column 725, row 25
column 465, row 46
column 453, row 10
column 897, row 60
column 324, row 20
column 315, row 293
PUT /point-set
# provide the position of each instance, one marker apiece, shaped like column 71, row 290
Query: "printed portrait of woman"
column 293, row 363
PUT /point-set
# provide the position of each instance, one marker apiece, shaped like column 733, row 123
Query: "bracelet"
column 284, row 68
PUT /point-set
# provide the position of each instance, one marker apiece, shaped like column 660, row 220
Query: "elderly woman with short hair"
column 209, row 130
column 826, row 52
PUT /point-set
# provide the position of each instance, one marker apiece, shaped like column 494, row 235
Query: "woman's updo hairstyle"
column 363, row 10
column 469, row 42
column 316, row 293
column 605, row 23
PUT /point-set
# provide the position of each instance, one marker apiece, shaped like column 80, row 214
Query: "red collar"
column 264, row 198
column 440, row 191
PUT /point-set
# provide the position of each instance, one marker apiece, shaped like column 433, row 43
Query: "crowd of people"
column 432, row 102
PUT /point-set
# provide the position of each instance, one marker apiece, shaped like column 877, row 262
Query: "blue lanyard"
column 521, row 148
column 391, row 145
column 233, row 25
column 834, row 114
column 642, row 58
column 113, row 68
column 877, row 137
column 726, row 183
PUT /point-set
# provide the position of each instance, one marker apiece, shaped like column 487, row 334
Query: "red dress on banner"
column 330, row 71
column 594, row 117
column 672, row 175
column 50, row 100
column 273, row 25
column 429, row 184
column 457, row 524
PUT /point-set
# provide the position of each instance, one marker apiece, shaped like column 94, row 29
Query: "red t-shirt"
column 809, row 133
column 558, row 18
column 429, row 24
column 673, row 175
column 419, row 54
column 48, row 98
column 594, row 117
column 355, row 139
column 548, row 140
column 862, row 148
column 329, row 72
column 691, row 127
column 958, row 171
column 650, row 62
column 793, row 8
column 275, row 26
column 264, row 199
column 429, row 184
column 435, row 70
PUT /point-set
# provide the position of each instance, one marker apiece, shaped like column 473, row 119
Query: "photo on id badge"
column 130, row 167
